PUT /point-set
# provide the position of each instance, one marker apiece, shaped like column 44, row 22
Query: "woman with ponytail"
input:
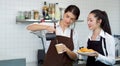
column 100, row 40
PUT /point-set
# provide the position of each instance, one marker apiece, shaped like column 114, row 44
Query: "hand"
column 65, row 49
column 95, row 54
column 33, row 27
column 60, row 48
column 50, row 28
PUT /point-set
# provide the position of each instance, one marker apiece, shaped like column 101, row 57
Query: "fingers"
column 95, row 54
column 92, row 54
column 51, row 29
column 64, row 48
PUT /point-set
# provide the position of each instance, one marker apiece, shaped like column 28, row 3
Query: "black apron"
column 52, row 58
column 97, row 46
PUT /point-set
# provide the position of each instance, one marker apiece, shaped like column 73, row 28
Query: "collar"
column 102, row 34
column 58, row 24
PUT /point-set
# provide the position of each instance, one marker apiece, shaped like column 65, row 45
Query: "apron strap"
column 54, row 27
column 105, row 46
column 71, row 34
column 55, row 33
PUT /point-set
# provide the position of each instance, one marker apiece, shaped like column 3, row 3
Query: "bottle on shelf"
column 45, row 11
column 36, row 15
column 50, row 11
column 57, row 12
column 53, row 11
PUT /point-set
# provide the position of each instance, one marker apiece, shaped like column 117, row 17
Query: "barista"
column 64, row 34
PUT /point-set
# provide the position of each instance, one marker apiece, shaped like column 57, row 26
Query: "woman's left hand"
column 65, row 48
column 95, row 54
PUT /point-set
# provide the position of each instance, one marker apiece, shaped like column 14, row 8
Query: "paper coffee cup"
column 59, row 48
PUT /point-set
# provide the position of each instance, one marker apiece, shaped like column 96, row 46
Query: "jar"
column 27, row 14
column 20, row 15
column 36, row 15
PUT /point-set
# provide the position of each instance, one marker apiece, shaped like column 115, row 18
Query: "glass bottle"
column 45, row 11
column 50, row 11
column 53, row 11
column 57, row 12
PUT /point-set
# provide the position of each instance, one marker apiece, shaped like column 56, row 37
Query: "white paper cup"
column 59, row 48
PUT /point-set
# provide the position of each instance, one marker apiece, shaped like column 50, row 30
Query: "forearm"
column 107, row 60
column 71, row 54
column 37, row 27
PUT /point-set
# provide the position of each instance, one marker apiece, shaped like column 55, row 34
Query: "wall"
column 17, row 42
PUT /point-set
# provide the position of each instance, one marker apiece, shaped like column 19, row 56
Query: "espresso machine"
column 117, row 45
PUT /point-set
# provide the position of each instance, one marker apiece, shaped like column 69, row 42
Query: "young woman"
column 65, row 35
column 100, row 40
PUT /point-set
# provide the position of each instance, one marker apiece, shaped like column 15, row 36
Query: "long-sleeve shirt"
column 110, row 46
column 59, row 31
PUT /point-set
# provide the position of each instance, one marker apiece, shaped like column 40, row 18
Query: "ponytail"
column 105, row 24
column 105, row 21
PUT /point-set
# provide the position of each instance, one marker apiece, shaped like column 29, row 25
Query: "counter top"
column 117, row 60
column 82, row 63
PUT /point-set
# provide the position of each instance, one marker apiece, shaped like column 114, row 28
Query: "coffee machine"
column 117, row 45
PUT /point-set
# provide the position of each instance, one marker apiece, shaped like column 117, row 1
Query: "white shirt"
column 110, row 46
column 59, row 31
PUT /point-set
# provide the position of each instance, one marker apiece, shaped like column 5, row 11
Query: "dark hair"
column 105, row 21
column 74, row 9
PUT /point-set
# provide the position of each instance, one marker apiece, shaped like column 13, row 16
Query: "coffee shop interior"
column 20, row 47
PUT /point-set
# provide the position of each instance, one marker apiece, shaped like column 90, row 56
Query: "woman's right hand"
column 50, row 28
column 33, row 27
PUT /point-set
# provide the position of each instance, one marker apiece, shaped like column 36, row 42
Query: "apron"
column 97, row 46
column 52, row 58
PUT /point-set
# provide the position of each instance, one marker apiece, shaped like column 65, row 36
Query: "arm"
column 38, row 27
column 73, row 54
column 110, row 59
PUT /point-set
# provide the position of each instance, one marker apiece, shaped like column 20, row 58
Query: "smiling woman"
column 100, row 40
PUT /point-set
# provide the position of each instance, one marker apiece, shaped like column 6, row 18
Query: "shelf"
column 32, row 21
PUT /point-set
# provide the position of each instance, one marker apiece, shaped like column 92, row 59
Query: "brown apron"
column 52, row 58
